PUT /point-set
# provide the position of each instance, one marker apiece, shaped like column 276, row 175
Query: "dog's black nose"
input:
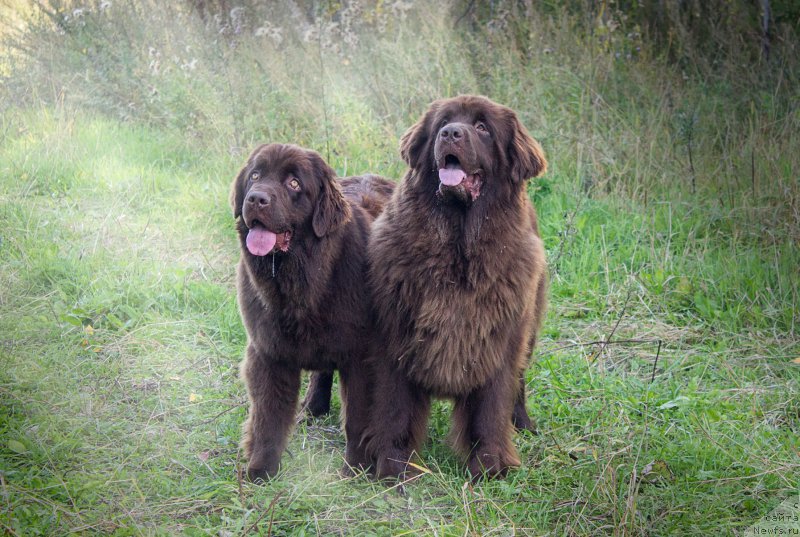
column 452, row 132
column 258, row 198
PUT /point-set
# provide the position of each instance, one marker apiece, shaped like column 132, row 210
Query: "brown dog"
column 458, row 281
column 371, row 195
column 302, row 293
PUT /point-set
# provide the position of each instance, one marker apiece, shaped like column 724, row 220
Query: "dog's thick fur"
column 457, row 273
column 371, row 195
column 304, row 303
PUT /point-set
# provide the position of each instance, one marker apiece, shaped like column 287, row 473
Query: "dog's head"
column 283, row 193
column 468, row 146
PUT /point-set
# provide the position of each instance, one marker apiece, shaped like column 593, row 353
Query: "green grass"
column 664, row 386
column 121, row 340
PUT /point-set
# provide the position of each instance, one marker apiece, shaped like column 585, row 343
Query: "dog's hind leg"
column 520, row 417
column 317, row 401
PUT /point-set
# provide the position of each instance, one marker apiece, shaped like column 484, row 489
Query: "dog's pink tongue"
column 451, row 176
column 260, row 241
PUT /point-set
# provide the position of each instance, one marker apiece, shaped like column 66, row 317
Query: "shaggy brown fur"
column 371, row 193
column 301, row 292
column 458, row 281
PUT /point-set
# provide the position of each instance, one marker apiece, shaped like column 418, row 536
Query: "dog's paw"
column 356, row 458
column 316, row 407
column 258, row 475
column 261, row 470
column 394, row 466
column 487, row 464
column 521, row 420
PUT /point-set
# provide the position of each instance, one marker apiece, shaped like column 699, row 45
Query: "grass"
column 122, row 338
column 664, row 387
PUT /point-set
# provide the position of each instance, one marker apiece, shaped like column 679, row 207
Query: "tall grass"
column 336, row 76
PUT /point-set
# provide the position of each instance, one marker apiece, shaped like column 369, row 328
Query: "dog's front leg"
column 273, row 388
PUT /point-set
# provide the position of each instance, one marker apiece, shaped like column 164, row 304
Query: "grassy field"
column 666, row 387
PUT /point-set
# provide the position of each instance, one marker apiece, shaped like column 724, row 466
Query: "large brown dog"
column 458, row 280
column 302, row 292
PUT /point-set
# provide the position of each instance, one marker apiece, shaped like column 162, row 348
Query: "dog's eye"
column 481, row 127
column 294, row 184
column 255, row 176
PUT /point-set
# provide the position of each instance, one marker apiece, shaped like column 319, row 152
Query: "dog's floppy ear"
column 414, row 142
column 527, row 157
column 237, row 192
column 332, row 210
